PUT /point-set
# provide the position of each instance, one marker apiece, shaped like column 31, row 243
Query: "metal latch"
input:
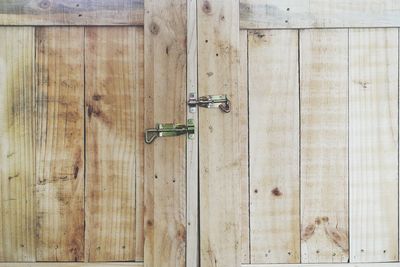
column 169, row 129
column 210, row 101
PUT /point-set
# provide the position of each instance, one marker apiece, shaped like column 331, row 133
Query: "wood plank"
column 192, row 154
column 274, row 146
column 325, row 265
column 75, row 12
column 114, row 69
column 373, row 145
column 256, row 14
column 108, row 264
column 59, row 144
column 219, row 134
column 17, row 180
column 165, row 159
column 139, row 158
column 244, row 147
column 324, row 148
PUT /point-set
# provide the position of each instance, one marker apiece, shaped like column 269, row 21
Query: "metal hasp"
column 169, row 129
column 210, row 101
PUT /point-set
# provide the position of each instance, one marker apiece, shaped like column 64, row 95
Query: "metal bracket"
column 210, row 101
column 169, row 129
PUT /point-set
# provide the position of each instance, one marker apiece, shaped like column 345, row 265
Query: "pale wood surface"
column 60, row 144
column 274, row 146
column 373, row 145
column 244, row 146
column 114, row 70
column 256, row 14
column 75, row 12
column 17, row 180
column 219, row 135
column 192, row 157
column 324, row 145
column 105, row 264
column 165, row 159
column 325, row 265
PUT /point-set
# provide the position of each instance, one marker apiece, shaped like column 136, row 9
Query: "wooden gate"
column 304, row 169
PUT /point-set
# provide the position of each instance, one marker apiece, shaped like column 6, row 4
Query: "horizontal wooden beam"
column 71, row 12
column 394, row 264
column 52, row 264
column 263, row 14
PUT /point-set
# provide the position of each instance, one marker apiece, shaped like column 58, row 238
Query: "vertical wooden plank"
column 165, row 165
column 324, row 145
column 373, row 145
column 139, row 126
column 244, row 147
column 59, row 144
column 274, row 146
column 219, row 135
column 114, row 64
column 192, row 154
column 17, row 180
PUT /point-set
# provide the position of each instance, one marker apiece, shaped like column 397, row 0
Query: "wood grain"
column 219, row 135
column 165, row 165
column 244, row 146
column 324, row 145
column 114, row 86
column 59, row 144
column 274, row 146
column 17, row 151
column 325, row 265
column 373, row 145
column 192, row 150
column 105, row 264
column 71, row 12
column 257, row 14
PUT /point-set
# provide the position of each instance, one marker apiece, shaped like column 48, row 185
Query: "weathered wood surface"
column 244, row 146
column 219, row 135
column 373, row 144
column 324, row 145
column 192, row 154
column 106, row 264
column 325, row 265
column 71, row 12
column 114, row 102
column 257, row 14
column 274, row 146
column 165, row 159
column 60, row 144
column 17, row 134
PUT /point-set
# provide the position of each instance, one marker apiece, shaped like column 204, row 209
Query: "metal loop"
column 150, row 135
column 225, row 107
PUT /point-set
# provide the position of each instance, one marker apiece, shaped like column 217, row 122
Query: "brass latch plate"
column 210, row 101
column 169, row 129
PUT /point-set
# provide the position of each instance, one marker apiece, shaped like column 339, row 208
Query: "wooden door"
column 322, row 82
column 72, row 119
column 304, row 169
column 72, row 150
